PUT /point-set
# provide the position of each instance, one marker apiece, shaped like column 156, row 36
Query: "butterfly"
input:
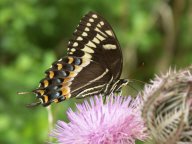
column 93, row 65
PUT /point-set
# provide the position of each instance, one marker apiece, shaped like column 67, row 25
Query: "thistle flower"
column 167, row 107
column 118, row 121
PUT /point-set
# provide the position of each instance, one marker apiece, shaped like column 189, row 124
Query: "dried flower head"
column 118, row 121
column 167, row 107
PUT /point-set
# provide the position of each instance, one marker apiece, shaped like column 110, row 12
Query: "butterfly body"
column 93, row 64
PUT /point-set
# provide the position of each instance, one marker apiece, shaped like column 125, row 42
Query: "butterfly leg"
column 119, row 92
column 104, row 99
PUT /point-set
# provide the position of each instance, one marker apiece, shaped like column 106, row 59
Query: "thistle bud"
column 167, row 109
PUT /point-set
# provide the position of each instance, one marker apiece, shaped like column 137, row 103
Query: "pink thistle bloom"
column 118, row 121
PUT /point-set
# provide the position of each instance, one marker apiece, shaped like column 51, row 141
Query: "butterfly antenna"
column 133, row 88
column 135, row 80
column 23, row 93
column 33, row 104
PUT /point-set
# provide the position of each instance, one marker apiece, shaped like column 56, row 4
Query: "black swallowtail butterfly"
column 93, row 65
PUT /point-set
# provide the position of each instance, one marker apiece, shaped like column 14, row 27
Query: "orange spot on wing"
column 72, row 74
column 51, row 74
column 46, row 83
column 56, row 100
column 66, row 84
column 70, row 60
column 68, row 96
column 41, row 91
column 67, row 79
column 65, row 90
column 59, row 66
column 45, row 98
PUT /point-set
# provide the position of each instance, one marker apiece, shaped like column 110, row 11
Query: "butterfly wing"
column 94, row 38
column 94, row 59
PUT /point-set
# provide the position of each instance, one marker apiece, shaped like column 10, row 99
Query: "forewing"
column 94, row 39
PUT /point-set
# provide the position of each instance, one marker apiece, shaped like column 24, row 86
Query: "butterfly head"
column 119, row 84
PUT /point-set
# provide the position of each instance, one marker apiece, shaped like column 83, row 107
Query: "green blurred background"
column 154, row 35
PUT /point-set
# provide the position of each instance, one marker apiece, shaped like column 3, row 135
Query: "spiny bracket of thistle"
column 167, row 108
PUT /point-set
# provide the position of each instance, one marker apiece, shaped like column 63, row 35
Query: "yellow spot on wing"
column 70, row 60
column 101, row 38
column 87, row 49
column 72, row 74
column 68, row 96
column 68, row 79
column 85, row 62
column 94, row 16
column 75, row 44
column 109, row 46
column 56, row 100
column 87, row 56
column 51, row 74
column 88, row 24
column 45, row 98
column 66, row 84
column 91, row 44
column 84, row 34
column 109, row 32
column 79, row 38
column 59, row 66
column 46, row 83
column 41, row 91
column 65, row 90
column 91, row 20
column 95, row 40
column 78, row 68
column 102, row 23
